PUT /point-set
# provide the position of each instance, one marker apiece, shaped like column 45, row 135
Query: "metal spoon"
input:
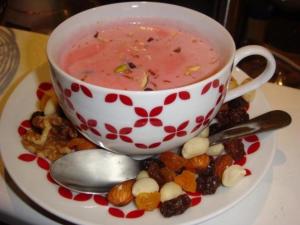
column 96, row 170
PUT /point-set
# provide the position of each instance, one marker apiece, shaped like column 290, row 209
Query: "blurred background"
column 274, row 24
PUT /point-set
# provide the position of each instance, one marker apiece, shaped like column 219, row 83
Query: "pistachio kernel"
column 191, row 69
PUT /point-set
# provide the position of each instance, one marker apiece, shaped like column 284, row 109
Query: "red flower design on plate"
column 122, row 133
column 89, row 124
column 175, row 131
column 148, row 116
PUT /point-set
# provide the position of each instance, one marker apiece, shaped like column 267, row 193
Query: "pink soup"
column 142, row 55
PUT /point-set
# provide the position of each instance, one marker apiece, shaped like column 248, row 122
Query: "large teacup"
column 148, row 122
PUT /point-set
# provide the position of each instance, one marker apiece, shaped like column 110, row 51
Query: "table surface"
column 275, row 200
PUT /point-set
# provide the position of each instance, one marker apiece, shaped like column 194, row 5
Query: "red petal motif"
column 156, row 122
column 170, row 129
column 125, row 130
column 206, row 88
column 253, row 148
column 196, row 201
column 116, row 212
column 99, row 199
column 110, row 128
column 183, row 125
column 75, row 87
column 141, row 112
column 184, row 95
column 81, row 197
column 140, row 123
column 26, row 123
column 45, row 86
column 111, row 98
column 126, row 139
column 80, row 117
column 156, row 111
column 216, row 83
column 22, row 131
column 43, row 163
column 26, row 157
column 251, row 138
column 66, row 193
column 170, row 98
column 86, row 91
column 126, row 100
column 135, row 213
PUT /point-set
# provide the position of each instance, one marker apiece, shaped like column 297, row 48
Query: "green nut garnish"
column 123, row 68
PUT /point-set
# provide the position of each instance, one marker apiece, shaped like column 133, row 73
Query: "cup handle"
column 259, row 80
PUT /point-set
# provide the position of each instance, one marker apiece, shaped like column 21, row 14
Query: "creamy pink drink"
column 144, row 55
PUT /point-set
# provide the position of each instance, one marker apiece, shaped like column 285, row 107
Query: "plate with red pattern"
column 31, row 173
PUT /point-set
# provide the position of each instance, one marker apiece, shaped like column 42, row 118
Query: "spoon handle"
column 268, row 121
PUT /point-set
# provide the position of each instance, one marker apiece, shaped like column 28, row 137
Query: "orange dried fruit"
column 222, row 162
column 199, row 162
column 187, row 180
column 80, row 144
column 147, row 201
column 167, row 174
column 172, row 160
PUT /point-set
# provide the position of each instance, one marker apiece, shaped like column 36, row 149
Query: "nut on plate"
column 232, row 175
column 121, row 194
column 195, row 146
column 222, row 162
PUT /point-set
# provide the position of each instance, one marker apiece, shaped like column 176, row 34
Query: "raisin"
column 239, row 103
column 229, row 118
column 36, row 121
column 235, row 148
column 147, row 162
column 208, row 185
column 209, row 170
column 154, row 172
column 175, row 206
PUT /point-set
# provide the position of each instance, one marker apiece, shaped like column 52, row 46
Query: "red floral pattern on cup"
column 175, row 131
column 122, row 133
column 150, row 117
column 89, row 124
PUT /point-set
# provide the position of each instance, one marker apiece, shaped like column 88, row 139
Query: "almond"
column 121, row 194
column 222, row 162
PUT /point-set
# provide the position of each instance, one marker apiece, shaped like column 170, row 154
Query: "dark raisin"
column 148, row 89
column 177, row 50
column 209, row 170
column 150, row 39
column 96, row 35
column 131, row 65
column 35, row 121
column 230, row 117
column 239, row 103
column 208, row 185
column 175, row 206
column 154, row 172
column 235, row 148
column 147, row 162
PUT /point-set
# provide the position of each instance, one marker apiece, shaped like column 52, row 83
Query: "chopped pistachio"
column 145, row 80
column 191, row 69
column 123, row 68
